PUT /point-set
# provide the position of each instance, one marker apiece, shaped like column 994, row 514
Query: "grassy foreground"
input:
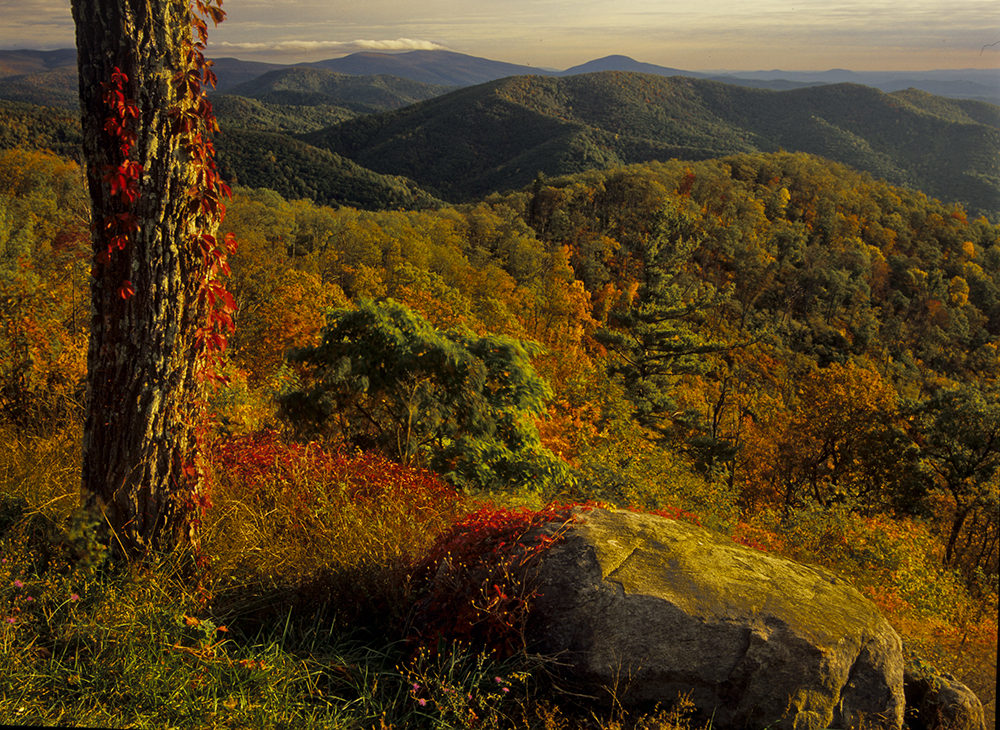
column 296, row 613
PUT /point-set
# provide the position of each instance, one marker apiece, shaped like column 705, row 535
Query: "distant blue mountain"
column 969, row 83
column 624, row 63
column 447, row 68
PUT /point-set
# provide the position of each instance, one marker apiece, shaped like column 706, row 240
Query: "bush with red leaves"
column 471, row 584
column 262, row 458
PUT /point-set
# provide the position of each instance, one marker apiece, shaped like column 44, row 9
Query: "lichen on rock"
column 647, row 608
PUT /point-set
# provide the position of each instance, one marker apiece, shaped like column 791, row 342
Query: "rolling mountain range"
column 459, row 69
column 248, row 156
column 429, row 67
column 53, row 87
column 302, row 99
column 499, row 135
column 447, row 68
column 326, row 132
column 23, row 62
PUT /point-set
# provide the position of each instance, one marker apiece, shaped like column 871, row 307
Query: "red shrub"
column 470, row 580
column 262, row 458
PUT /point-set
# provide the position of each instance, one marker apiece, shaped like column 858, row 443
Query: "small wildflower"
column 416, row 687
column 30, row 599
column 422, row 702
column 498, row 680
column 506, row 689
column 11, row 619
column 18, row 584
column 74, row 596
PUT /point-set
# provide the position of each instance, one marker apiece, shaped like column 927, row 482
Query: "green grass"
column 299, row 619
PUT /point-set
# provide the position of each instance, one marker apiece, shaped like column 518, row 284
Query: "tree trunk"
column 961, row 512
column 141, row 415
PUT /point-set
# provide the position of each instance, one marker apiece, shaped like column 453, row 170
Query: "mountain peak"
column 447, row 68
column 615, row 58
column 618, row 62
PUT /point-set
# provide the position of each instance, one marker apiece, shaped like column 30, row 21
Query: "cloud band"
column 399, row 44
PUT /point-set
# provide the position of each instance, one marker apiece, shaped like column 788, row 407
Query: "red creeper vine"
column 195, row 122
column 123, row 179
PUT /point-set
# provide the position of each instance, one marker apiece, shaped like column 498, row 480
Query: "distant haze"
column 710, row 34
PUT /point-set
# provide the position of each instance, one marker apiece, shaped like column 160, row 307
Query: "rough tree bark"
column 140, row 437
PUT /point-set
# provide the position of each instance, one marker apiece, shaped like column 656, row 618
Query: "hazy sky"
column 702, row 35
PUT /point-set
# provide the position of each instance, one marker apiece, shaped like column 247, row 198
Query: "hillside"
column 46, row 78
column 978, row 84
column 56, row 87
column 241, row 112
column 231, row 72
column 247, row 155
column 302, row 99
column 33, row 127
column 499, row 135
column 457, row 69
column 981, row 85
column 24, row 61
column 265, row 159
column 624, row 63
column 304, row 86
column 511, row 129
column 959, row 110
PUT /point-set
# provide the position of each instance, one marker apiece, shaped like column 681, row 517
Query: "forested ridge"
column 514, row 127
column 463, row 145
column 361, row 94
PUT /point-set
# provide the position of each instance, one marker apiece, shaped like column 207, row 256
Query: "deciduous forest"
column 772, row 345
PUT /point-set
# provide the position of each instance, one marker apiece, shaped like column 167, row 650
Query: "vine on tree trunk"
column 123, row 179
column 194, row 122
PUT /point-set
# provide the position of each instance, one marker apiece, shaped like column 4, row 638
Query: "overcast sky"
column 703, row 35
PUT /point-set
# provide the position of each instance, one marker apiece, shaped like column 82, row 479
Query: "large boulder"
column 941, row 702
column 649, row 608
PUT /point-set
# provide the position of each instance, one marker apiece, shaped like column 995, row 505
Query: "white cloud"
column 399, row 44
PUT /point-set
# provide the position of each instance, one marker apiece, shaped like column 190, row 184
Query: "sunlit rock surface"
column 647, row 608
